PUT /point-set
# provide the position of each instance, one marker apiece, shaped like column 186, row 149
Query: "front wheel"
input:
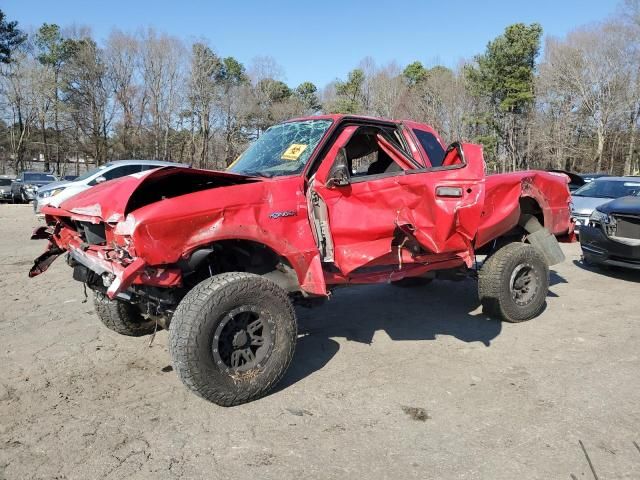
column 232, row 337
column 513, row 283
column 121, row 317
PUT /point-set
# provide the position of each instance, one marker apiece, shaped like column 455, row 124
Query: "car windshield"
column 5, row 182
column 38, row 177
column 609, row 189
column 283, row 149
column 90, row 173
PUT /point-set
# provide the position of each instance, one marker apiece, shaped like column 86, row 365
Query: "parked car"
column 590, row 177
column 612, row 236
column 26, row 185
column 5, row 187
column 600, row 191
column 56, row 193
column 316, row 203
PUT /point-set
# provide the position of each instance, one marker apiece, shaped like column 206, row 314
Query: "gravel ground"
column 385, row 383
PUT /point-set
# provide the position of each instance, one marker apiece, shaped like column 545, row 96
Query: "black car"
column 25, row 187
column 612, row 236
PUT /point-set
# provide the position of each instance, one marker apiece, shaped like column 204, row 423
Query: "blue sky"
column 319, row 41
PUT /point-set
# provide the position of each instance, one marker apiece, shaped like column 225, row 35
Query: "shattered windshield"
column 283, row 149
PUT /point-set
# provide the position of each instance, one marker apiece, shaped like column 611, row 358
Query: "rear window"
column 4, row 182
column 432, row 146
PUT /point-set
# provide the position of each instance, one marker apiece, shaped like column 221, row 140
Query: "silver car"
column 597, row 192
column 56, row 193
column 5, row 187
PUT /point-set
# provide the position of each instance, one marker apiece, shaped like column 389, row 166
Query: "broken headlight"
column 607, row 221
column 599, row 217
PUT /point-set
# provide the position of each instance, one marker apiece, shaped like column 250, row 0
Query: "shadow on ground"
column 628, row 275
column 357, row 313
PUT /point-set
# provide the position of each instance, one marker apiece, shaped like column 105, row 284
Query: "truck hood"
column 111, row 201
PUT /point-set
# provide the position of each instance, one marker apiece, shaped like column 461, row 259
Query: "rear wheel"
column 122, row 317
column 232, row 337
column 513, row 283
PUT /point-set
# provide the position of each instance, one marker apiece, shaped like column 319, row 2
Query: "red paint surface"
column 363, row 218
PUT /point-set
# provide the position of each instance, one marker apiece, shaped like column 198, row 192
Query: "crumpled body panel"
column 502, row 198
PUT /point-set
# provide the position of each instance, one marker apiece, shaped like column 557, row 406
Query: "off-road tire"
column 122, row 317
column 411, row 282
column 495, row 282
column 200, row 315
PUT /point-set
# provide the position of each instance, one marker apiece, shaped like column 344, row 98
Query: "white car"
column 56, row 193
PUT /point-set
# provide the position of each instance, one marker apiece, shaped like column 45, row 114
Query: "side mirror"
column 339, row 175
column 100, row 180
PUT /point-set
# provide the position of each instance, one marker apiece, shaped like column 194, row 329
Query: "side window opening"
column 431, row 146
column 366, row 157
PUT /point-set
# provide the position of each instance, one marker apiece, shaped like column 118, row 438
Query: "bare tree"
column 86, row 92
column 587, row 64
column 122, row 58
column 19, row 110
column 162, row 62
column 206, row 72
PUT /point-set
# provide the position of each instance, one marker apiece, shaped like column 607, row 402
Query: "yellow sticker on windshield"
column 293, row 152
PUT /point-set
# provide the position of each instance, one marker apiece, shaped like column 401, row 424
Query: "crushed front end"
column 105, row 260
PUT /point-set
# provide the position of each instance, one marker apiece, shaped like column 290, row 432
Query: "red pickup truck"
column 220, row 258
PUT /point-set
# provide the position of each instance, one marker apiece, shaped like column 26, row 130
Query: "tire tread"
column 186, row 335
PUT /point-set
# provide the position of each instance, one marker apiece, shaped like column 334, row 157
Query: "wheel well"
column 530, row 206
column 240, row 256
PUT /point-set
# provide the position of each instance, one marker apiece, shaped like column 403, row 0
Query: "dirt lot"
column 386, row 382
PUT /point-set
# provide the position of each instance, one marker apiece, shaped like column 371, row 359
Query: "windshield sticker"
column 293, row 152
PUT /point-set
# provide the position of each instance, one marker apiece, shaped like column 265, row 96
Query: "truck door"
column 368, row 193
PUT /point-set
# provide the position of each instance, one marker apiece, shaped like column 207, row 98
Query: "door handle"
column 449, row 192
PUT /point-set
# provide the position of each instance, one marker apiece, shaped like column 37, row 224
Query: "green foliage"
column 233, row 72
column 414, row 73
column 505, row 72
column 10, row 38
column 273, row 90
column 306, row 92
column 349, row 93
column 53, row 49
